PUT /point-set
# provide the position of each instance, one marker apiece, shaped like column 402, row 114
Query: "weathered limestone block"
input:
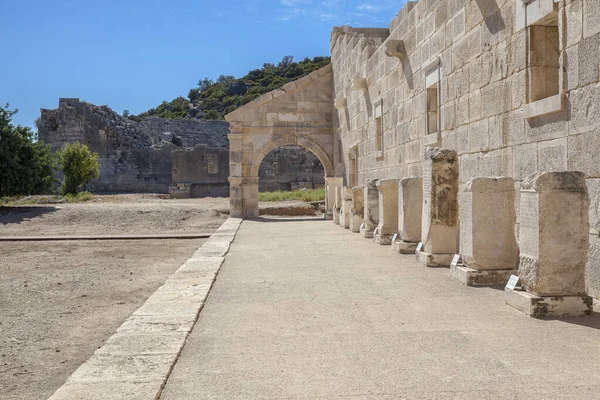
column 356, row 209
column 345, row 210
column 440, row 207
column 410, row 209
column 554, row 241
column 337, row 206
column 330, row 184
column 388, row 211
column 488, row 246
column 371, row 209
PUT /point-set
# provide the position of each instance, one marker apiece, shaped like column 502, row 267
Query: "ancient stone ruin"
column 183, row 157
column 479, row 99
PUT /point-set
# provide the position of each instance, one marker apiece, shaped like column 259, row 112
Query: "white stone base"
column 336, row 216
column 344, row 221
column 384, row 240
column 355, row 222
column 434, row 260
column 555, row 306
column 402, row 247
column 364, row 232
column 474, row 277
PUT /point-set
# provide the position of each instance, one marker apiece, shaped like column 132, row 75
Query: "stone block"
column 589, row 60
column 345, row 209
column 487, row 222
column 330, row 188
column 548, row 306
column 371, row 209
column 554, row 226
column 591, row 17
column 439, row 225
column 388, row 211
column 472, row 277
column 357, row 209
column 410, row 208
column 337, row 207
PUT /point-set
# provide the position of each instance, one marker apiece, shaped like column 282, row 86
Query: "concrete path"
column 306, row 309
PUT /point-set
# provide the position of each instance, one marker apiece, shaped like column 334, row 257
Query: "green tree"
column 126, row 113
column 79, row 165
column 26, row 165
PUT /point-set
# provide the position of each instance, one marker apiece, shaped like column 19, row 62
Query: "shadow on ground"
column 16, row 215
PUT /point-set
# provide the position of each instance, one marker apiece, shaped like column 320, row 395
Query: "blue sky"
column 133, row 54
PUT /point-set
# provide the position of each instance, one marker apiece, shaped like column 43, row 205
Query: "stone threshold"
column 137, row 360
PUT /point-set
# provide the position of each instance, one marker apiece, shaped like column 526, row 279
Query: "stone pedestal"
column 371, row 209
column 554, row 241
column 388, row 211
column 488, row 246
column 356, row 209
column 345, row 210
column 440, row 207
column 337, row 205
column 330, row 184
column 410, row 208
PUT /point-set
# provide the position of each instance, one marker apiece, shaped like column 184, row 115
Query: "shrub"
column 79, row 165
column 26, row 165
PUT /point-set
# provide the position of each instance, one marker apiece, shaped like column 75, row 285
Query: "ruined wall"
column 288, row 168
column 471, row 76
column 155, row 155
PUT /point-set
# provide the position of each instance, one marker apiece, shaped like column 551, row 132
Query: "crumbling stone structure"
column 183, row 157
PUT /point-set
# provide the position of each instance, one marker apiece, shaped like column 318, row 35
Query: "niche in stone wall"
column 212, row 163
column 379, row 128
column 544, row 58
column 432, row 87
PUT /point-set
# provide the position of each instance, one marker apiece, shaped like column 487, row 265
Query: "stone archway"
column 300, row 113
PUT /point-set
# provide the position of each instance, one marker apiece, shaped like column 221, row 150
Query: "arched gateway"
column 300, row 113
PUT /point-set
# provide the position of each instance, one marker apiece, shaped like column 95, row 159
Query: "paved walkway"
column 306, row 309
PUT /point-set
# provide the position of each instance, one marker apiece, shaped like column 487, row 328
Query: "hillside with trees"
column 214, row 99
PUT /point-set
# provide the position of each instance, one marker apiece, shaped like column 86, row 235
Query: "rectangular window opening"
column 544, row 58
column 433, row 106
column 379, row 129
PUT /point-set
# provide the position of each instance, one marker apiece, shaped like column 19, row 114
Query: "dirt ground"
column 59, row 301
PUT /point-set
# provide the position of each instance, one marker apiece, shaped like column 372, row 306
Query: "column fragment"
column 388, row 211
column 371, row 209
column 356, row 209
column 410, row 209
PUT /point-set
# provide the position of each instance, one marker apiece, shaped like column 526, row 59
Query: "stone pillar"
column 337, row 204
column 488, row 246
column 388, row 211
column 410, row 209
column 330, row 184
column 370, row 209
column 554, row 241
column 439, row 225
column 243, row 197
column 345, row 210
column 357, row 209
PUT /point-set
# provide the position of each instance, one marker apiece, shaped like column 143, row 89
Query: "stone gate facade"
column 300, row 114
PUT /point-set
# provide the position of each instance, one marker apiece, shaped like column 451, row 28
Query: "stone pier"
column 345, row 209
column 371, row 209
column 330, row 184
column 488, row 246
column 554, row 241
column 388, row 211
column 410, row 209
column 337, row 204
column 356, row 209
column 440, row 207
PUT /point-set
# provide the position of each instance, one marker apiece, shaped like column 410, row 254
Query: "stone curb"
column 137, row 360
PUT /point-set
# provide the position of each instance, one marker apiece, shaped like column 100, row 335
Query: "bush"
column 26, row 165
column 79, row 165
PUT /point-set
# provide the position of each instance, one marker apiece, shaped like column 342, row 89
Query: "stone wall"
column 513, row 88
column 161, row 155
column 288, row 168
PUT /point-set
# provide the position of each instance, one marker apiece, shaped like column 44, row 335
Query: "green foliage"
column 79, row 165
column 79, row 197
column 215, row 99
column 305, row 195
column 126, row 113
column 26, row 165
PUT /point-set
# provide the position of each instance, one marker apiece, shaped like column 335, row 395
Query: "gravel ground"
column 59, row 301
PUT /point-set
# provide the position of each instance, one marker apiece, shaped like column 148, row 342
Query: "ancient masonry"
column 184, row 157
column 490, row 108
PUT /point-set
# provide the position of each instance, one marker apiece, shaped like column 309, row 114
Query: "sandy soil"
column 59, row 301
